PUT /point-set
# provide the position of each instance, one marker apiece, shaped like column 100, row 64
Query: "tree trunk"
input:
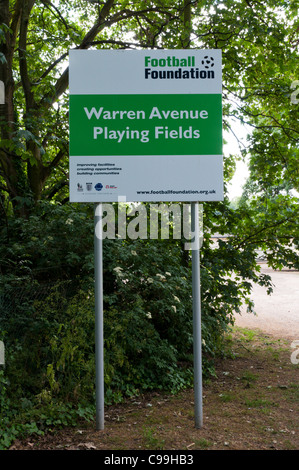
column 9, row 168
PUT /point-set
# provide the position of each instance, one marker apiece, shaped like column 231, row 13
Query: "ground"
column 251, row 403
column 276, row 314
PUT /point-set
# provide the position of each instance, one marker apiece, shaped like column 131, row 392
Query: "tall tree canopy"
column 46, row 244
column 259, row 40
column 35, row 39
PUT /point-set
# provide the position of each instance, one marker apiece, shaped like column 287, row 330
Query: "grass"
column 151, row 441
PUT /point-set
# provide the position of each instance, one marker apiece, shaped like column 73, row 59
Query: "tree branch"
column 56, row 188
column 57, row 159
column 187, row 24
column 63, row 81
column 48, row 4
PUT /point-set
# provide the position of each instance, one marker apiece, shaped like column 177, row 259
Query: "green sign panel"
column 146, row 124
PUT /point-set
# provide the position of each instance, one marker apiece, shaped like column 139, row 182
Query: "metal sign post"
column 2, row 92
column 99, row 321
column 196, row 317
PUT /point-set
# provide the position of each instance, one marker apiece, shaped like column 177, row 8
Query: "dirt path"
column 277, row 314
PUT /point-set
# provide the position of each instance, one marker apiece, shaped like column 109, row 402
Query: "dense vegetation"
column 46, row 249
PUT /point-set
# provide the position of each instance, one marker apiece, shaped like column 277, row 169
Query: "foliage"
column 48, row 318
column 26, row 418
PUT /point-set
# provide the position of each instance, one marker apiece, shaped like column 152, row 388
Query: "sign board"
column 145, row 125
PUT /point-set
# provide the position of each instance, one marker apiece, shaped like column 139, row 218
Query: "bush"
column 47, row 312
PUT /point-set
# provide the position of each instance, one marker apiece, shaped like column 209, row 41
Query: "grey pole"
column 196, row 317
column 99, row 323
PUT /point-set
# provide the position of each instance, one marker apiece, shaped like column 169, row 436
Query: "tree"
column 259, row 42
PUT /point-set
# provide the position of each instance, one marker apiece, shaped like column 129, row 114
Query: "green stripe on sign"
column 146, row 124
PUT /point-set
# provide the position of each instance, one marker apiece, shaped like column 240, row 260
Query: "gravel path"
column 278, row 313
